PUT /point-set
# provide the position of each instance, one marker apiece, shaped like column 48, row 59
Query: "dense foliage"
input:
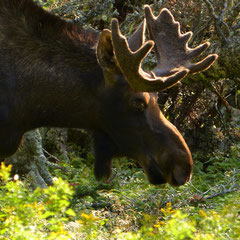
column 205, row 108
column 126, row 207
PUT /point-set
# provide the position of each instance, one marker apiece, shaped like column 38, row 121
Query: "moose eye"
column 138, row 104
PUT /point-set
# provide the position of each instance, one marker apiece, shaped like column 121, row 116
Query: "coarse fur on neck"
column 34, row 33
column 58, row 57
column 34, row 20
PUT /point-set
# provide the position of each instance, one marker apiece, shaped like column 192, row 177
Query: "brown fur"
column 50, row 76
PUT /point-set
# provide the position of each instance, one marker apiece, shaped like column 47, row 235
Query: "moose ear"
column 105, row 53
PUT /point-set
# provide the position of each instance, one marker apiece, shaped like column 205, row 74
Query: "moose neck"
column 65, row 88
column 55, row 67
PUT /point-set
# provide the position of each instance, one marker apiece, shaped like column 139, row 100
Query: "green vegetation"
column 127, row 206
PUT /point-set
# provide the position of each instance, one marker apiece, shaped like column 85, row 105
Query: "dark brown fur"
column 50, row 76
column 49, row 52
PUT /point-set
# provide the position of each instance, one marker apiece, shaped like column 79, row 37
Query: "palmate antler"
column 173, row 54
column 171, row 46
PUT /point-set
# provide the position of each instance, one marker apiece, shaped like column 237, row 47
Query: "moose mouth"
column 156, row 176
column 154, row 173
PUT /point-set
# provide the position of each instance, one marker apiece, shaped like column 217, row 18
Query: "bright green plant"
column 39, row 214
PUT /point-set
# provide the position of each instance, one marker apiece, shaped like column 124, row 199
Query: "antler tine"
column 137, row 39
column 171, row 47
column 130, row 64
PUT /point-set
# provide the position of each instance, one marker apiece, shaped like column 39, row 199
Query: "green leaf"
column 70, row 212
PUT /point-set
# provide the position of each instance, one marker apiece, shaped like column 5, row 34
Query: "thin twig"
column 50, row 155
column 218, row 21
column 223, row 192
column 224, row 9
column 56, row 166
column 224, row 101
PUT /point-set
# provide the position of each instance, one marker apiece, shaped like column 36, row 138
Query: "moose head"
column 56, row 74
column 132, row 119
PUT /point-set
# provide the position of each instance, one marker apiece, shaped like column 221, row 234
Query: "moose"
column 54, row 73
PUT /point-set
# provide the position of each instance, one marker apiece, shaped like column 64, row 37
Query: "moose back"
column 54, row 73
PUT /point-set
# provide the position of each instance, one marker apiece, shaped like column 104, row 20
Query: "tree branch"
column 219, row 21
column 50, row 155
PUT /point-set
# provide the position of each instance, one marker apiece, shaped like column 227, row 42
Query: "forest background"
column 204, row 107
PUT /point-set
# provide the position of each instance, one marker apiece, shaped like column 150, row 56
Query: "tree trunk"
column 30, row 160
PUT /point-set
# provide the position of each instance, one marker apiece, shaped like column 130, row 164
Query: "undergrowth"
column 126, row 206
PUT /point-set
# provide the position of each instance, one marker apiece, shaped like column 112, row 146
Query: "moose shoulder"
column 56, row 74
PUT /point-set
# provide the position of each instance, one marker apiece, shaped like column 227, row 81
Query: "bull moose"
column 54, row 73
